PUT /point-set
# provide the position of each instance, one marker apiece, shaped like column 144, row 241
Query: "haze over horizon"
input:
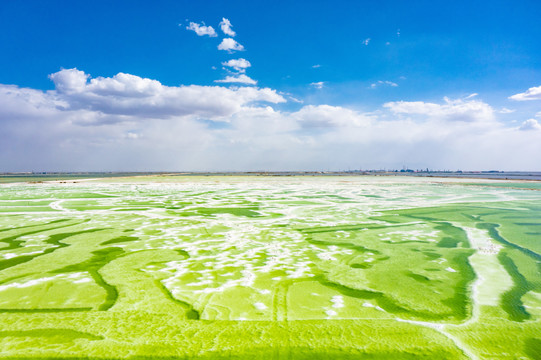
column 243, row 86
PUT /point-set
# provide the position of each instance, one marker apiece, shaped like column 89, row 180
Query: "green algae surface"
column 267, row 267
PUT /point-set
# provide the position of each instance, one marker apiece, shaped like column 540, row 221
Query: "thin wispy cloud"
column 318, row 85
column 366, row 41
column 226, row 26
column 383, row 83
column 241, row 79
column 327, row 116
column 202, row 29
column 316, row 66
column 294, row 99
column 450, row 110
column 506, row 111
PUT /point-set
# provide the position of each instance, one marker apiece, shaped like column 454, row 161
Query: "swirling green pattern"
column 173, row 267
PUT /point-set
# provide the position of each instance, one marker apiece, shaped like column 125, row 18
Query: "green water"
column 265, row 267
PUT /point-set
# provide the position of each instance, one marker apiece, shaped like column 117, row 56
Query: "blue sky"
column 334, row 69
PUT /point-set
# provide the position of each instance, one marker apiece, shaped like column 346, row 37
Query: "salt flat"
column 254, row 267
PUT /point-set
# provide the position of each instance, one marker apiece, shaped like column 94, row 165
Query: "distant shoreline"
column 59, row 176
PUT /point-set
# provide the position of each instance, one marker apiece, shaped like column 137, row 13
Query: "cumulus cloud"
column 69, row 80
column 318, row 85
column 130, row 95
column 238, row 64
column 530, row 124
column 380, row 83
column 22, row 104
column 230, row 45
column 452, row 110
column 242, row 79
column 126, row 122
column 201, row 29
column 533, row 93
column 225, row 25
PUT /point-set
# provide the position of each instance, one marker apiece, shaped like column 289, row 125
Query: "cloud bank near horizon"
column 126, row 122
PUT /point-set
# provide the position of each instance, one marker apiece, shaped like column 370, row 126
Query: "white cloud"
column 126, row 122
column 452, row 110
column 471, row 96
column 312, row 116
column 230, row 45
column 225, row 25
column 533, row 93
column 366, row 41
column 538, row 115
column 294, row 99
column 380, row 83
column 505, row 110
column 69, row 80
column 22, row 104
column 130, row 95
column 316, row 66
column 291, row 97
column 238, row 64
column 318, row 85
column 242, row 79
column 131, row 135
column 530, row 124
column 202, row 30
